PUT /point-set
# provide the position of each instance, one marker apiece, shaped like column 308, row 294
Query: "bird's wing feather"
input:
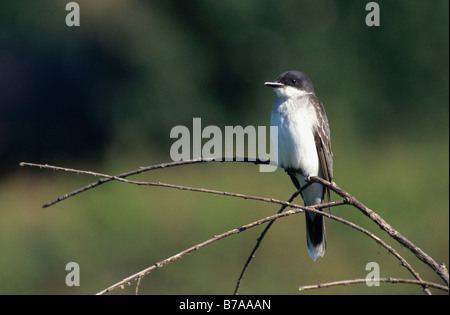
column 323, row 144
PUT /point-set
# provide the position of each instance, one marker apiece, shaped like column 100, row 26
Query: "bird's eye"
column 293, row 81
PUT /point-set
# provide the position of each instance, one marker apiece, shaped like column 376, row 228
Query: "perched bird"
column 304, row 147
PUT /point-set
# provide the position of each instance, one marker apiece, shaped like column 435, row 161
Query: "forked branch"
column 347, row 199
column 441, row 270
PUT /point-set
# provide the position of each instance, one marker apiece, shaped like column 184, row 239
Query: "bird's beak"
column 274, row 84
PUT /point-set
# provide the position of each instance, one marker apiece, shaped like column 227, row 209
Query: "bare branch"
column 441, row 270
column 140, row 170
column 274, row 217
column 388, row 280
column 164, row 262
column 161, row 184
column 258, row 242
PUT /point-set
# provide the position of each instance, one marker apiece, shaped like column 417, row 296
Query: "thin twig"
column 258, row 242
column 136, row 292
column 166, row 185
column 388, row 280
column 284, row 204
column 250, row 225
column 441, row 270
column 164, row 262
column 140, row 170
column 347, row 199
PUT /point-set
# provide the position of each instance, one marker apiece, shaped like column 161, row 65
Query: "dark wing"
column 323, row 143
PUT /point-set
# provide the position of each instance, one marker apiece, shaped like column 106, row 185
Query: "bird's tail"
column 315, row 235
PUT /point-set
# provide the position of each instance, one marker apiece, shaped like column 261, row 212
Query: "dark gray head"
column 291, row 79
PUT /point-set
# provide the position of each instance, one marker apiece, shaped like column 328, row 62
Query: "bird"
column 304, row 147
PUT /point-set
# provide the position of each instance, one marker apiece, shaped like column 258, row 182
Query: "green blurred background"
column 104, row 96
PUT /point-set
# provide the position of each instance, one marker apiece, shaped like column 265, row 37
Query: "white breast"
column 296, row 144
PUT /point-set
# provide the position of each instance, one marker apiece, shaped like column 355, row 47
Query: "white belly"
column 296, row 144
